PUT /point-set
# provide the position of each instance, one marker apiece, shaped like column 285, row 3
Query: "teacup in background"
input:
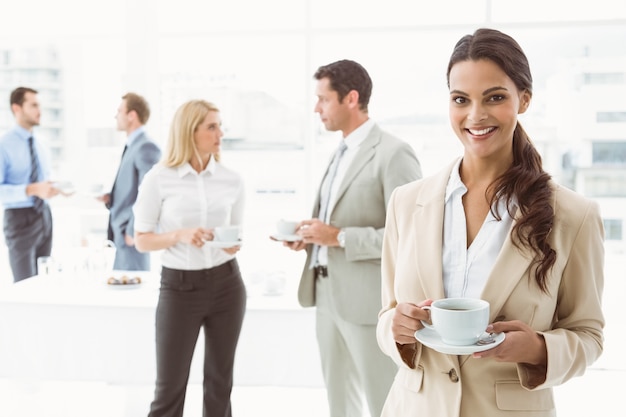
column 459, row 321
column 226, row 233
column 286, row 227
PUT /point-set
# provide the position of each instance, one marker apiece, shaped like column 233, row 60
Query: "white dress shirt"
column 465, row 270
column 180, row 198
column 353, row 142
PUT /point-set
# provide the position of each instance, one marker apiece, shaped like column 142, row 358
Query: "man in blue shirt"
column 25, row 187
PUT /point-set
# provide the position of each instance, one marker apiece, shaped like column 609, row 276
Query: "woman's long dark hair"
column 525, row 180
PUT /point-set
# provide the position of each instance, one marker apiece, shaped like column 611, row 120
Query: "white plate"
column 90, row 194
column 95, row 191
column 286, row 238
column 222, row 245
column 431, row 339
column 124, row 286
column 128, row 285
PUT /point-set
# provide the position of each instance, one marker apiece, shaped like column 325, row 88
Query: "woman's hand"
column 233, row 250
column 522, row 344
column 194, row 237
column 406, row 321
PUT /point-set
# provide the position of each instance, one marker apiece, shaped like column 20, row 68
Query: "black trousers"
column 28, row 235
column 215, row 300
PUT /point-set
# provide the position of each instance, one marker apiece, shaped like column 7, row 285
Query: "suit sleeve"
column 576, row 340
column 148, row 155
column 399, row 168
column 401, row 354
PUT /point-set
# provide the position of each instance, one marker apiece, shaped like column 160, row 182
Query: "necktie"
column 116, row 179
column 325, row 196
column 34, row 174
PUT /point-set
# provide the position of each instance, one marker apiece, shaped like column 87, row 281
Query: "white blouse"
column 465, row 270
column 179, row 198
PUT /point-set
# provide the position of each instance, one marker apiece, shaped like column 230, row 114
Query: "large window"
column 614, row 229
column 609, row 153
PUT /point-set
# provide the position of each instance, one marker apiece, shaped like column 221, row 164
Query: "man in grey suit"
column 343, row 241
column 140, row 154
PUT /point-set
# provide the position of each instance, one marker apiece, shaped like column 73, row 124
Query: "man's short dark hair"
column 345, row 76
column 139, row 105
column 18, row 95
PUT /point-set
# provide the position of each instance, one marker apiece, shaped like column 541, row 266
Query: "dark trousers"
column 214, row 299
column 28, row 235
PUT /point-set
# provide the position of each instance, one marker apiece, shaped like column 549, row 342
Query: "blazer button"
column 453, row 375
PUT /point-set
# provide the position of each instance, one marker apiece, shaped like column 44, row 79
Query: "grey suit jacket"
column 138, row 158
column 382, row 163
column 569, row 316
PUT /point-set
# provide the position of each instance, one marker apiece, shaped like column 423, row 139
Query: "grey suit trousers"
column 352, row 362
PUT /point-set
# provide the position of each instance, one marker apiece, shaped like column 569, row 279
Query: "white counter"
column 79, row 329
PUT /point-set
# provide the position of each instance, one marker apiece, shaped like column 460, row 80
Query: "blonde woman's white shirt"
column 180, row 198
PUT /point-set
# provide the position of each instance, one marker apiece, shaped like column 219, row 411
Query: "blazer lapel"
column 364, row 155
column 509, row 268
column 428, row 233
column 318, row 195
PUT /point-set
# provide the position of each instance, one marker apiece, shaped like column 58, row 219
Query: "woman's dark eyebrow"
column 486, row 92
column 492, row 89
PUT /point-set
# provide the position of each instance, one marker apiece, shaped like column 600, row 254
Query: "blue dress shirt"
column 15, row 167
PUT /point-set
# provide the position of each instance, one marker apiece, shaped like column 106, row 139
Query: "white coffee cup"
column 286, row 227
column 64, row 186
column 226, row 233
column 458, row 321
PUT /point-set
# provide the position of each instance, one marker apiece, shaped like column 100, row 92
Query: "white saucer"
column 286, row 238
column 431, row 339
column 65, row 187
column 222, row 245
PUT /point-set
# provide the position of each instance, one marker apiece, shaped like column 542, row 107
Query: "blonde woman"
column 180, row 202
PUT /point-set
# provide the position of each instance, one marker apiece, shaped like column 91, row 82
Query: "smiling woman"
column 502, row 231
column 484, row 105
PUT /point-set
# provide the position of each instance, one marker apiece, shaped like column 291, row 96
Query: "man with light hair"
column 140, row 154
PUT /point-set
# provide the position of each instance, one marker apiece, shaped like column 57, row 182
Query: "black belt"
column 320, row 271
column 224, row 268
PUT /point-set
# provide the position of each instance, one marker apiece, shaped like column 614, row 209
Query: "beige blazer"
column 382, row 163
column 569, row 317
